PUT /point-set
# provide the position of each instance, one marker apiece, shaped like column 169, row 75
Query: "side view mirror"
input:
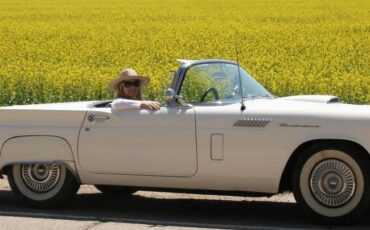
column 170, row 93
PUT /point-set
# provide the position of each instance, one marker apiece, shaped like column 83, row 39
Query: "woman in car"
column 128, row 88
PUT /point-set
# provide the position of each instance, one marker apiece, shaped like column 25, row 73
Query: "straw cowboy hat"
column 127, row 75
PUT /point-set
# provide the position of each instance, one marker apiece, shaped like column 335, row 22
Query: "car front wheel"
column 42, row 185
column 332, row 183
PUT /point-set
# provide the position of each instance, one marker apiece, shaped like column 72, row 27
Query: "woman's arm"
column 122, row 104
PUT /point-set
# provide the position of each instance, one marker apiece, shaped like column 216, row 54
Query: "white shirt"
column 121, row 104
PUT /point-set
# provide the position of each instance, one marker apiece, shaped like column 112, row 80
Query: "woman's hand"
column 152, row 105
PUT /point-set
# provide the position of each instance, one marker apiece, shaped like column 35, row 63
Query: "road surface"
column 91, row 210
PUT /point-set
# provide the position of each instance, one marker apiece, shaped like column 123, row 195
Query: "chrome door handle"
column 93, row 117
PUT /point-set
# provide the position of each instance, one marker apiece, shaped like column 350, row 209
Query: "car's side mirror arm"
column 180, row 101
column 174, row 100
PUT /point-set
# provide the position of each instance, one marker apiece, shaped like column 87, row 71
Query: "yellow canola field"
column 68, row 50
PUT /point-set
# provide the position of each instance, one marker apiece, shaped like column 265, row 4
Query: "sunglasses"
column 128, row 84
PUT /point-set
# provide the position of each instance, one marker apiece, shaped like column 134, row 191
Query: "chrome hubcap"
column 40, row 177
column 332, row 183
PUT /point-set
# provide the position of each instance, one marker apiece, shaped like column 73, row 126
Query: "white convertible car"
column 219, row 132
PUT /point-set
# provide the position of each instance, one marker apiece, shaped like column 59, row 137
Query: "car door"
column 139, row 142
column 233, row 144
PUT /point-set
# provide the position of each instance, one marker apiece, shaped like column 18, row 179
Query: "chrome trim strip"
column 298, row 125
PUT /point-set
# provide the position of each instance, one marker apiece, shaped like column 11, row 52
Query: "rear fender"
column 37, row 149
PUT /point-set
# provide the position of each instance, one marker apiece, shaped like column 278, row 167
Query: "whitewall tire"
column 42, row 185
column 332, row 183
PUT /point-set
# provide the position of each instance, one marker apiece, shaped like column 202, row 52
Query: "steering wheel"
column 213, row 90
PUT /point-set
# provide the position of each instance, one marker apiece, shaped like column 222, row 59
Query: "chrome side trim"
column 298, row 125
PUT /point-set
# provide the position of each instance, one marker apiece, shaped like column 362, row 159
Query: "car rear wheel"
column 111, row 190
column 332, row 183
column 42, row 185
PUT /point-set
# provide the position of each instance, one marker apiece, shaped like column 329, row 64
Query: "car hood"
column 306, row 107
column 312, row 98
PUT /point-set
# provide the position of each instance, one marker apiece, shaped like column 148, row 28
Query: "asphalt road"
column 91, row 210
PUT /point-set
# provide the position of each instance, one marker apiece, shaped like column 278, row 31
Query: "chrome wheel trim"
column 332, row 183
column 37, row 196
column 312, row 202
column 40, row 177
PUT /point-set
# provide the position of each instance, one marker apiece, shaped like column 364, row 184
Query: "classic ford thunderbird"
column 219, row 132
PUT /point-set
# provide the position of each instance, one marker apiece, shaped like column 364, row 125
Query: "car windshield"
column 251, row 88
column 219, row 82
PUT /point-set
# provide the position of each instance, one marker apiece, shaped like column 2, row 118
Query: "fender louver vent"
column 252, row 122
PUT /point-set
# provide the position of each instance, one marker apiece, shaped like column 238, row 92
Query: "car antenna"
column 242, row 108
